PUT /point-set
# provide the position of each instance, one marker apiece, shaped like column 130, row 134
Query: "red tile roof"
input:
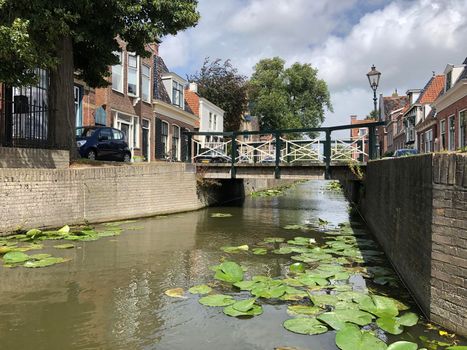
column 192, row 99
column 432, row 90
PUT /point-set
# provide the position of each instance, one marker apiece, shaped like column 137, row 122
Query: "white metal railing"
column 345, row 151
column 215, row 150
column 254, row 152
column 301, row 150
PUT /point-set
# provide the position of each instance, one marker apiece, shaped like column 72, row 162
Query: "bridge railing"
column 282, row 147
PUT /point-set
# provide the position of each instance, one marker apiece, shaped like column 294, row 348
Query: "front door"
column 146, row 144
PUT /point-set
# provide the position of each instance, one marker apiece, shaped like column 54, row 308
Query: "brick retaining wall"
column 11, row 157
column 417, row 209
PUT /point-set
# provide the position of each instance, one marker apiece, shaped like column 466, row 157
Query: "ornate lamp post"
column 373, row 78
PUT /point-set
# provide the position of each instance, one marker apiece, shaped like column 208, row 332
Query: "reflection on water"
column 110, row 295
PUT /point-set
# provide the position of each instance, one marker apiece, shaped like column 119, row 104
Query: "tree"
column 221, row 84
column 287, row 98
column 373, row 115
column 79, row 36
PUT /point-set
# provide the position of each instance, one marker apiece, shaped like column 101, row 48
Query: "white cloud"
column 405, row 39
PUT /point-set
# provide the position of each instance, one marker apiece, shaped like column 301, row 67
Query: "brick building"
column 425, row 126
column 389, row 109
column 359, row 136
column 172, row 114
column 451, row 109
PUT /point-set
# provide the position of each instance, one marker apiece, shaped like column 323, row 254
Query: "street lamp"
column 373, row 78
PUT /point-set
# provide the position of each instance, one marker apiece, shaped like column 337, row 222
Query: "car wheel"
column 92, row 155
column 127, row 158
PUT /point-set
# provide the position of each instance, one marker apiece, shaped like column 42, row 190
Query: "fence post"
column 372, row 142
column 233, row 156
column 288, row 149
column 327, row 155
column 277, row 169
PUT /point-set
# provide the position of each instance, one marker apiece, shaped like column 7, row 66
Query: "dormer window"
column 448, row 80
column 177, row 94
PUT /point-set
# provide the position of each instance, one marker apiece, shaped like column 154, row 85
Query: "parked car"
column 405, row 152
column 208, row 155
column 102, row 143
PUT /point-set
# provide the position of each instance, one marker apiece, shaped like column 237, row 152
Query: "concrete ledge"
column 11, row 157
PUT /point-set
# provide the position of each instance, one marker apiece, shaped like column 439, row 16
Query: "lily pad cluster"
column 13, row 248
column 317, row 287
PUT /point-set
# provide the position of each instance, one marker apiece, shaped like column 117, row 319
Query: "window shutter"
column 184, row 145
column 158, row 133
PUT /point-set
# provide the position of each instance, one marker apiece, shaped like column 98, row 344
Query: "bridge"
column 309, row 153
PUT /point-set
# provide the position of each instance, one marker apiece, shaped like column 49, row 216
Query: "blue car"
column 405, row 152
column 102, row 143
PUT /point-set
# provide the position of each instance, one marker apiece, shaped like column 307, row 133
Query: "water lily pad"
column 351, row 337
column 6, row 249
column 64, row 229
column 274, row 239
column 255, row 310
column 217, row 300
column 394, row 325
column 337, row 319
column 229, row 271
column 457, row 347
column 379, row 305
column 201, row 289
column 220, row 215
column 308, row 326
column 34, row 233
column 15, row 257
column 44, row 262
column 175, row 293
column 40, row 256
column 259, row 251
column 297, row 268
column 322, row 300
column 403, row 345
column 64, row 246
column 235, row 249
column 294, row 310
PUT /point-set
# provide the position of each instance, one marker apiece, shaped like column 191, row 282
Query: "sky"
column 405, row 39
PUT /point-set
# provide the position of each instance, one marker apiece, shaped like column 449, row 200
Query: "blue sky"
column 405, row 39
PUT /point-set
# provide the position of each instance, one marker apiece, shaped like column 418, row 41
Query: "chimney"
column 193, row 87
column 353, row 117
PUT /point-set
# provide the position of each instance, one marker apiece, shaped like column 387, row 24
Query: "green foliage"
column 221, row 84
column 291, row 97
column 308, row 326
column 31, row 30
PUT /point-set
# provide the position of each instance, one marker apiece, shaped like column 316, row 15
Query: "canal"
column 111, row 294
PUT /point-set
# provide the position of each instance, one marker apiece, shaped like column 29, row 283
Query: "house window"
column 210, row 121
column 129, row 125
column 361, row 132
column 175, row 142
column 452, row 133
column 177, row 94
column 462, row 127
column 164, row 137
column 443, row 134
column 117, row 73
column 428, row 141
column 78, row 97
column 145, row 83
column 215, row 123
column 448, row 80
column 132, row 75
column 135, row 132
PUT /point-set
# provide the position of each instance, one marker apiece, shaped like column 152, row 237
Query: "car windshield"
column 85, row 132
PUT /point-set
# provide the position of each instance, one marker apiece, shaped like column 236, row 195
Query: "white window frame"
column 166, row 148
column 148, row 77
column 177, row 86
column 128, row 74
column 462, row 138
column 131, row 127
column 441, row 133
column 136, row 133
column 122, row 72
column 451, row 139
column 177, row 156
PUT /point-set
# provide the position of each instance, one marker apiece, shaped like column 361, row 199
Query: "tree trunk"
column 62, row 113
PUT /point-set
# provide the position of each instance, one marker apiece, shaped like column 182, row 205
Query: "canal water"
column 110, row 295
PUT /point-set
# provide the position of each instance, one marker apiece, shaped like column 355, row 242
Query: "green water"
column 111, row 294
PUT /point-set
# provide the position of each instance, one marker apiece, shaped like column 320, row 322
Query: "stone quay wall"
column 417, row 209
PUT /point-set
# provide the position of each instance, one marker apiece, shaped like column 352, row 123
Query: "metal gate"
column 24, row 114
